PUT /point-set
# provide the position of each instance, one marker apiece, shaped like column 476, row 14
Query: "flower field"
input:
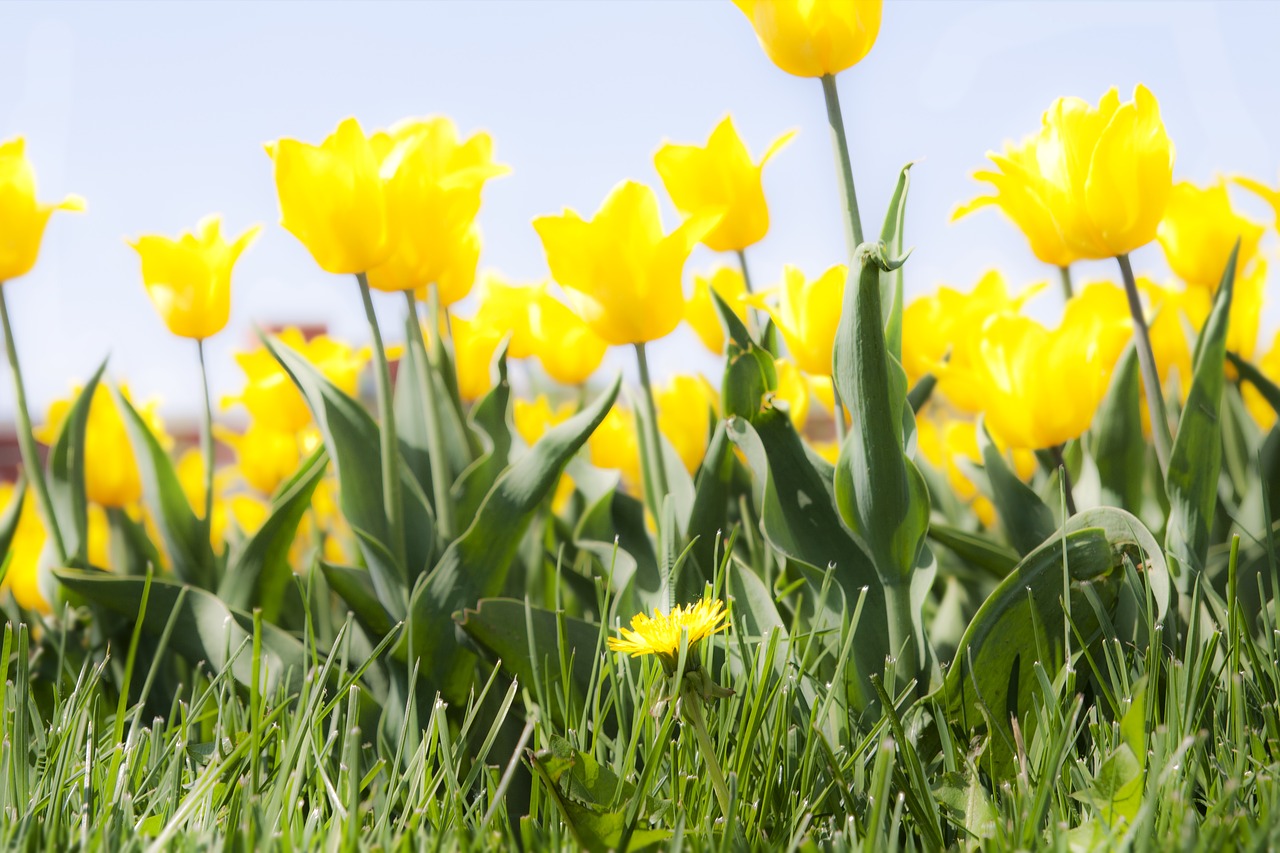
column 931, row 573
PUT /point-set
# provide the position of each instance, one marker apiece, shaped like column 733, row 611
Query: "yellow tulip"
column 534, row 417
column 807, row 314
column 794, row 390
column 270, row 395
column 615, row 445
column 1270, row 196
column 505, row 309
column 1269, row 364
column 474, row 344
column 686, row 405
column 25, row 552
column 700, row 311
column 110, row 469
column 22, row 217
column 565, row 345
column 1199, row 231
column 265, row 457
column 621, row 272
column 433, row 185
column 189, row 279
column 720, row 178
column 333, row 200
column 811, row 38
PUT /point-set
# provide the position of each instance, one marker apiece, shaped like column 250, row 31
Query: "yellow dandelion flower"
column 660, row 634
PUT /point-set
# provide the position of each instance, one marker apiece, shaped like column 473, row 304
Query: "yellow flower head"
column 686, row 405
column 1199, row 231
column 433, row 183
column 265, row 457
column 505, row 309
column 110, row 469
column 811, row 38
column 565, row 345
column 807, row 314
column 25, row 550
column 615, row 445
column 1101, row 175
column 622, row 273
column 534, row 417
column 793, row 389
column 474, row 344
column 332, row 198
column 269, row 394
column 720, row 178
column 22, row 217
column 189, row 279
column 660, row 634
column 700, row 311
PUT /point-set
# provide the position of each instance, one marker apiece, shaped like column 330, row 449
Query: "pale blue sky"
column 156, row 113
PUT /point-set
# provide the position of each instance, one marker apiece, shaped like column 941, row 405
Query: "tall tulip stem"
column 440, row 472
column 848, row 197
column 1150, row 375
column 658, row 468
column 386, row 414
column 746, row 284
column 26, row 441
column 1064, row 276
column 206, row 439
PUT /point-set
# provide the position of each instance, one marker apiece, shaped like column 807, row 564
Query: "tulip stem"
column 653, row 438
column 746, row 284
column 1150, row 375
column 27, row 442
column 1061, row 462
column 848, row 196
column 1068, row 289
column 206, row 440
column 440, row 472
column 390, row 443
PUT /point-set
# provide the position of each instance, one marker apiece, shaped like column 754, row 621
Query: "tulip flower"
column 686, row 405
column 814, row 38
column 615, row 445
column 1258, row 406
column 793, row 390
column 22, row 577
column 265, row 457
column 533, row 418
column 700, row 310
column 505, row 308
column 621, row 272
column 433, row 186
column 807, row 314
column 1199, row 231
column 720, row 178
column 22, row 217
column 474, row 345
column 189, row 279
column 566, row 347
column 110, row 468
column 333, row 200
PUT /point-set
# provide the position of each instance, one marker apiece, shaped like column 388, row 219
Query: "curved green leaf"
column 1027, row 520
column 1119, row 447
column 65, row 477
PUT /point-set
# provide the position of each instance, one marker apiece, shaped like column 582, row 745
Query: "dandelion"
column 660, row 634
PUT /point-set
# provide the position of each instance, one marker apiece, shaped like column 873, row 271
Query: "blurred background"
column 156, row 114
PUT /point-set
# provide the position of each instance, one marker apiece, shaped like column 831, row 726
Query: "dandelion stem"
column 848, row 196
column 657, row 466
column 1147, row 361
column 692, row 708
column 1064, row 276
column 440, row 473
column 390, row 443
column 26, row 441
column 206, row 440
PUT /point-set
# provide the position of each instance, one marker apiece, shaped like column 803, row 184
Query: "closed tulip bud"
column 720, row 178
column 812, row 38
column 1199, row 232
column 565, row 345
column 22, row 217
column 332, row 198
column 22, row 577
column 700, row 310
column 621, row 272
column 807, row 314
column 189, row 279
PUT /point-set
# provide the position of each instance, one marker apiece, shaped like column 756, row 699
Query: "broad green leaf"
column 185, row 539
column 131, row 549
column 258, row 573
column 1268, row 390
column 708, row 518
column 976, row 549
column 352, row 440
column 1119, row 447
column 413, row 394
column 1027, row 520
column 891, row 296
column 593, row 826
column 355, row 587
column 489, row 421
column 1191, row 482
column 65, row 478
column 749, row 372
column 475, row 565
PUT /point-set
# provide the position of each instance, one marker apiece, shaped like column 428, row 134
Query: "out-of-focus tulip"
column 686, row 405
column 505, row 309
column 270, row 395
column 621, row 272
column 1270, row 196
column 811, row 38
column 189, row 279
column 26, row 548
column 700, row 311
column 807, row 314
column 433, row 186
column 534, row 417
column 110, row 469
column 565, row 345
column 1199, row 231
column 265, row 457
column 615, row 445
column 794, row 390
column 22, row 217
column 946, row 444
column 332, row 198
column 473, row 347
column 720, row 178
column 1269, row 364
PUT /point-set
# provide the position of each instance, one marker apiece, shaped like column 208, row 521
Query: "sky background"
column 156, row 114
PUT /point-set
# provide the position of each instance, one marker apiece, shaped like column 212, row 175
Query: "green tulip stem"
column 691, row 707
column 1068, row 289
column 746, row 283
column 902, row 613
column 1147, row 361
column 1061, row 462
column 440, row 474
column 386, row 414
column 654, row 437
column 206, row 439
column 848, row 197
column 27, row 442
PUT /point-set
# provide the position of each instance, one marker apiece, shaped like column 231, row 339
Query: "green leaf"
column 891, row 296
column 1191, row 482
column 413, row 393
column 352, row 439
column 708, row 519
column 976, row 549
column 475, row 565
column 66, row 474
column 1027, row 520
column 489, row 421
column 258, row 573
column 1268, row 390
column 355, row 587
column 9, row 522
column 185, row 538
column 749, row 372
column 1119, row 446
